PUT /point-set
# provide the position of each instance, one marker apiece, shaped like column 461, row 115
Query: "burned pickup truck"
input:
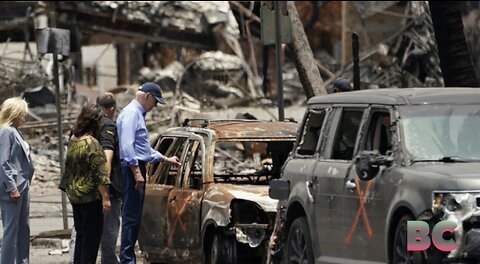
column 215, row 207
column 366, row 163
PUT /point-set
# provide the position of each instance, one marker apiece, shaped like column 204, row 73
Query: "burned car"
column 215, row 207
column 365, row 163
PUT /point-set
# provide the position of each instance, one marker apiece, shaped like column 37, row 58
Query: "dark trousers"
column 132, row 206
column 88, row 220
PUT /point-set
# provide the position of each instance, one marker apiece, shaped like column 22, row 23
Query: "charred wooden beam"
column 245, row 11
column 308, row 73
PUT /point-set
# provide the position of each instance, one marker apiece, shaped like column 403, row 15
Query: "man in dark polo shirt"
column 108, row 138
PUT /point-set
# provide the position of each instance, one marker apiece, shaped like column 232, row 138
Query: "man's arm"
column 127, row 128
column 107, row 140
column 109, row 155
column 137, row 174
column 106, row 204
column 157, row 156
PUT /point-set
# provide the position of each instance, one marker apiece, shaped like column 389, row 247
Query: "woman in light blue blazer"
column 16, row 171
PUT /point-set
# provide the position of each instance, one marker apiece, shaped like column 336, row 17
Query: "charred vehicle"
column 215, row 207
column 367, row 162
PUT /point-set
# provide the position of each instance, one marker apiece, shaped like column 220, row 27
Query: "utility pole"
column 356, row 61
column 278, row 28
column 344, row 34
column 56, row 41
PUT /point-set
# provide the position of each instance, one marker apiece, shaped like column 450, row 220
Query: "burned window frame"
column 305, row 129
column 152, row 168
column 157, row 174
column 265, row 172
column 194, row 151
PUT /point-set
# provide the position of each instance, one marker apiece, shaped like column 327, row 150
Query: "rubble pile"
column 47, row 172
column 16, row 76
column 407, row 59
column 215, row 76
column 44, row 152
column 182, row 15
column 167, row 77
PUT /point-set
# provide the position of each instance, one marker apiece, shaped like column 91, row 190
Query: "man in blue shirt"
column 135, row 152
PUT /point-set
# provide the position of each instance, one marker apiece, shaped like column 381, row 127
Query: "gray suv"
column 366, row 162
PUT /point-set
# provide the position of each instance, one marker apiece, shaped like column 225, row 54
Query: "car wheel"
column 299, row 243
column 221, row 249
column 400, row 253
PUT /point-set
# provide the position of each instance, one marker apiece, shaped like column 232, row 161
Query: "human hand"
column 139, row 181
column 106, row 206
column 173, row 160
column 15, row 196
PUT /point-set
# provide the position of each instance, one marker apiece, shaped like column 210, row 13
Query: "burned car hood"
column 455, row 175
column 255, row 193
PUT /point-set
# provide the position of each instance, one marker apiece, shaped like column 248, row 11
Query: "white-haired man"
column 135, row 152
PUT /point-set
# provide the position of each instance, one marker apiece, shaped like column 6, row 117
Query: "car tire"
column 221, row 250
column 400, row 253
column 299, row 244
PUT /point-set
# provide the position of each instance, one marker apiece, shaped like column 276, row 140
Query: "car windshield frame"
column 441, row 132
column 237, row 161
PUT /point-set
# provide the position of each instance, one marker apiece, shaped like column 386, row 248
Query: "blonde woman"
column 16, row 171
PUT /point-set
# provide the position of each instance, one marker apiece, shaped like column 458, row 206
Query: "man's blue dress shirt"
column 133, row 136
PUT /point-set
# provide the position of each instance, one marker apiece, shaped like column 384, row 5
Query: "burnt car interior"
column 240, row 162
column 190, row 173
column 249, row 162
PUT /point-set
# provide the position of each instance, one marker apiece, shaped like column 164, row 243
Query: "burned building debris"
column 208, row 56
column 405, row 57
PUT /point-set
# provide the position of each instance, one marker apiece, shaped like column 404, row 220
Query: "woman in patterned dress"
column 86, row 179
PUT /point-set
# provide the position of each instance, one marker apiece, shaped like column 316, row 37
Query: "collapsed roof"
column 186, row 23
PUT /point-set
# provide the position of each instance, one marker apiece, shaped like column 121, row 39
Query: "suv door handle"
column 309, row 186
